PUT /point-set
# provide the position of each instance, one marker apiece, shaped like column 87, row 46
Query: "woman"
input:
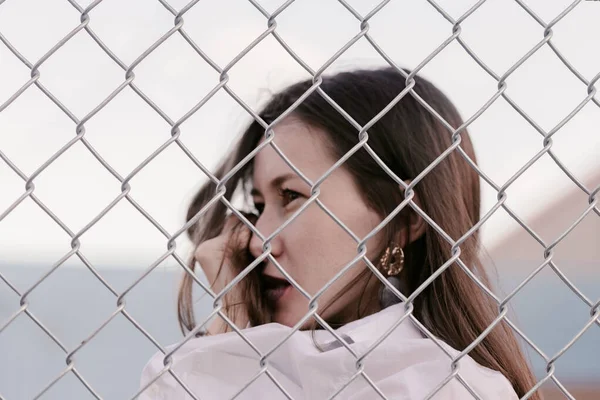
column 310, row 362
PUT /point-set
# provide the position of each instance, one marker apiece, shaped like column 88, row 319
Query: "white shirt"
column 404, row 366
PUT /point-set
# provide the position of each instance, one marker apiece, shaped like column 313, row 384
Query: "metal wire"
column 362, row 135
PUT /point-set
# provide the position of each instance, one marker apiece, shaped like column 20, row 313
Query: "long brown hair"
column 408, row 138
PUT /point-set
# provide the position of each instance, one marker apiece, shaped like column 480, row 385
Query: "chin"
column 286, row 318
column 283, row 319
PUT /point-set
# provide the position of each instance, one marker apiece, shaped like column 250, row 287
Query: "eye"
column 288, row 196
column 259, row 208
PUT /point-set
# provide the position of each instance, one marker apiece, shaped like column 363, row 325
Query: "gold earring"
column 394, row 262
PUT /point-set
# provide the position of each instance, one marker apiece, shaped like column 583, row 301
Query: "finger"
column 242, row 237
column 230, row 222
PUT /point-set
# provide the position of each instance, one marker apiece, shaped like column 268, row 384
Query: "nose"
column 266, row 227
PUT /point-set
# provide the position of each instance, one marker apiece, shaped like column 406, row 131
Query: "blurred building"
column 549, row 312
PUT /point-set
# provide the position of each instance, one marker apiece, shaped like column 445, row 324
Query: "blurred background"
column 72, row 303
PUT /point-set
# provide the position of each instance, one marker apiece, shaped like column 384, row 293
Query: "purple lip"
column 274, row 288
column 275, row 294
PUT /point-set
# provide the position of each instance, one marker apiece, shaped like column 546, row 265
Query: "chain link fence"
column 35, row 83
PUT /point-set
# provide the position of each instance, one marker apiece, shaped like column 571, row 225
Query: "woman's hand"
column 215, row 258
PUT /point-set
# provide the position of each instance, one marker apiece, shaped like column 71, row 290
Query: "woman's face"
column 312, row 248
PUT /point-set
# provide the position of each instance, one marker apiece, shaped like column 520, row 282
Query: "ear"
column 416, row 224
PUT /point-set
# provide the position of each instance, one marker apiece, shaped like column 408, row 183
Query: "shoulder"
column 404, row 365
column 410, row 365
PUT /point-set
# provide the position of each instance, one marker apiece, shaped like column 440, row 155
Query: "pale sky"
column 76, row 187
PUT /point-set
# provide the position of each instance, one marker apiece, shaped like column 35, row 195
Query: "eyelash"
column 282, row 193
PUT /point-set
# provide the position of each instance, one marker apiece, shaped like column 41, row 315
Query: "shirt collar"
column 372, row 327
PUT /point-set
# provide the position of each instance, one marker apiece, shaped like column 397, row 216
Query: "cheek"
column 317, row 248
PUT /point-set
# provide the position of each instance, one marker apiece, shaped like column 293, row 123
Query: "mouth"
column 275, row 288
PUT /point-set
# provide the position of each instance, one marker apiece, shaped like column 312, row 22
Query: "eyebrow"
column 275, row 183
